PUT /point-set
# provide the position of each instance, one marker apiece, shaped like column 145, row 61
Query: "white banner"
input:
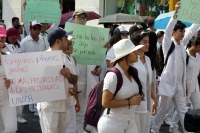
column 35, row 77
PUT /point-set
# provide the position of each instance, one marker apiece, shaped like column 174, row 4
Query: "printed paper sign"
column 189, row 11
column 44, row 11
column 88, row 43
column 34, row 77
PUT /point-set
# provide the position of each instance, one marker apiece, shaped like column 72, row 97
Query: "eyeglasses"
column 36, row 28
column 81, row 18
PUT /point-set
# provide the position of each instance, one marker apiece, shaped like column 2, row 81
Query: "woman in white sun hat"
column 122, row 107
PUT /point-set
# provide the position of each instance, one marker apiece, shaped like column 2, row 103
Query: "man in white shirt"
column 173, row 79
column 73, row 90
column 86, row 80
column 54, row 115
column 33, row 43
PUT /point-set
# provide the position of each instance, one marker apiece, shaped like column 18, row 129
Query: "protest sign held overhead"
column 189, row 11
column 44, row 11
column 35, row 77
column 88, row 43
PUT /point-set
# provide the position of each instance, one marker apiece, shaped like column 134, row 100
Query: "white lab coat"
column 167, row 86
column 10, row 49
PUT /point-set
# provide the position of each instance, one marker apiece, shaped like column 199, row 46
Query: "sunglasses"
column 36, row 28
column 81, row 18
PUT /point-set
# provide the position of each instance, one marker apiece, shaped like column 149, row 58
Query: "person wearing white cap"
column 119, row 33
column 122, row 107
column 33, row 43
column 73, row 97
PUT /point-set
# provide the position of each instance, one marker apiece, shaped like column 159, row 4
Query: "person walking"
column 172, row 84
column 122, row 106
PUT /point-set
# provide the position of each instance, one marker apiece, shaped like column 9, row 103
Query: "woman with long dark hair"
column 144, row 67
column 122, row 106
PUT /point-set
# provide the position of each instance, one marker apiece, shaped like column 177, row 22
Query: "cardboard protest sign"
column 34, row 77
column 88, row 43
column 44, row 11
column 189, row 11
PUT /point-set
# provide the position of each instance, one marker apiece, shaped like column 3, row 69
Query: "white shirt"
column 70, row 64
column 44, row 38
column 179, row 63
column 29, row 45
column 10, row 48
column 192, row 71
column 127, row 90
column 143, row 76
column 158, row 45
column 3, row 89
column 110, row 54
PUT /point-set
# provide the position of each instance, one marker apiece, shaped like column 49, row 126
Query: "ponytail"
column 134, row 73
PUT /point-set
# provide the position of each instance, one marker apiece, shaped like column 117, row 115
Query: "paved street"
column 33, row 125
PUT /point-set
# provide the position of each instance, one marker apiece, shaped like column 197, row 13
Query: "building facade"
column 14, row 8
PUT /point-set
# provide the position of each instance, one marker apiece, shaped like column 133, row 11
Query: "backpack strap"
column 119, row 82
column 187, row 58
column 171, row 49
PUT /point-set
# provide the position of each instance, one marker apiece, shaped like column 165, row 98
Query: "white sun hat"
column 123, row 48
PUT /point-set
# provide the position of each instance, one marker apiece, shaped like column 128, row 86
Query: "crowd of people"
column 156, row 84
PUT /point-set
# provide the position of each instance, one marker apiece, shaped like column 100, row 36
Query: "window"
column 68, row 5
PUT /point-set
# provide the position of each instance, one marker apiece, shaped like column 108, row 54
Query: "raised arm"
column 168, row 32
column 191, row 31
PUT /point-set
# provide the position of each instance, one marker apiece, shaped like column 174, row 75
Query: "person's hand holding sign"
column 66, row 72
column 6, row 82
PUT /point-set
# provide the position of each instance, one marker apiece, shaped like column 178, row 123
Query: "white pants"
column 72, row 124
column 179, row 101
column 53, row 122
column 8, row 121
column 170, row 112
column 81, row 114
column 194, row 97
column 19, row 110
column 143, row 122
column 109, row 124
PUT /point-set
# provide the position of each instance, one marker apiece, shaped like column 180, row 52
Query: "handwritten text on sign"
column 189, row 11
column 34, row 77
column 44, row 11
column 89, row 43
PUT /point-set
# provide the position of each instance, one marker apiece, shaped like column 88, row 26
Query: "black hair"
column 195, row 41
column 137, row 36
column 150, row 23
column 152, row 52
column 179, row 26
column 14, row 19
column 52, row 44
column 144, row 25
column 17, row 27
column 114, row 26
column 115, row 38
column 15, row 44
column 107, row 24
column 160, row 34
column 134, row 73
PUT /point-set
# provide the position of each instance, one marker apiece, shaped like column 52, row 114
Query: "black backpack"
column 162, row 64
column 192, row 120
